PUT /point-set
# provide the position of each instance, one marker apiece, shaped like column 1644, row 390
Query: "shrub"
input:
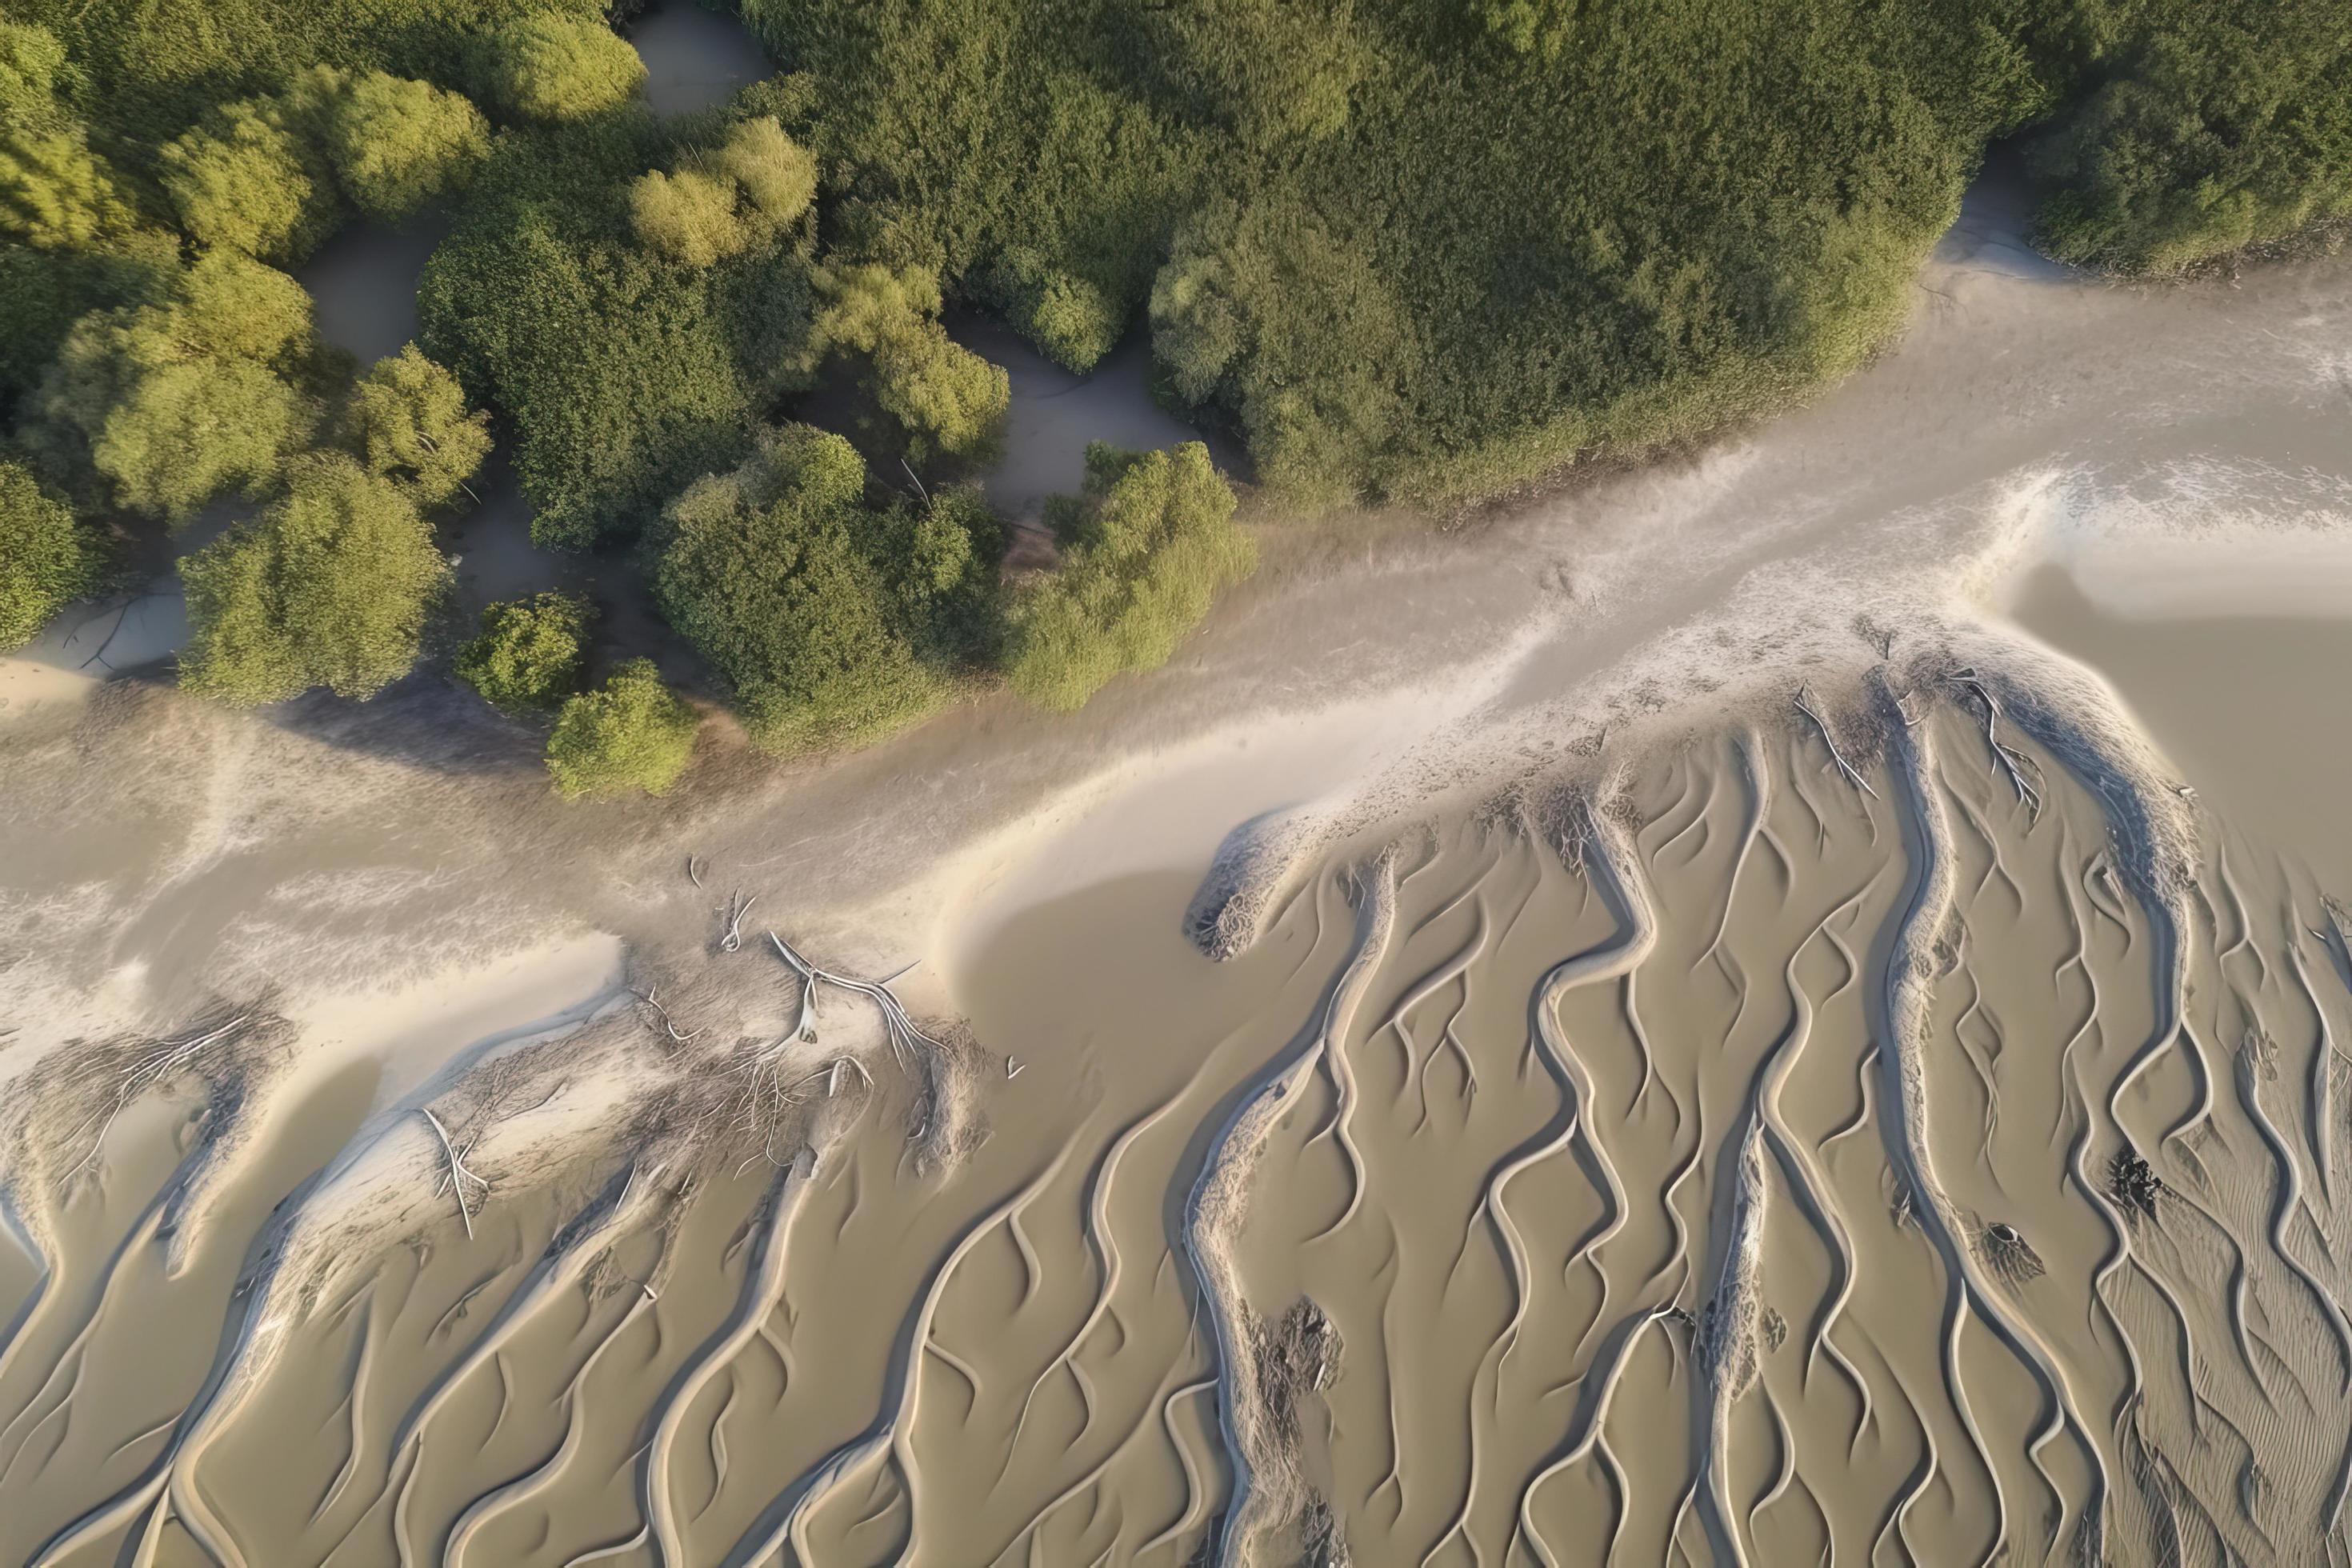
column 530, row 653
column 45, row 557
column 689, row 216
column 398, row 145
column 407, row 420
column 725, row 202
column 778, row 176
column 1151, row 546
column 56, row 193
column 552, row 66
column 330, row 586
column 630, row 734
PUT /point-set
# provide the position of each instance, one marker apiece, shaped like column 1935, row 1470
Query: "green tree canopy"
column 776, row 175
column 330, row 586
column 631, row 735
column 945, row 400
column 1148, row 547
column 770, row 572
column 45, row 557
column 557, row 66
column 689, row 216
column 723, row 202
column 622, row 375
column 249, row 181
column 407, row 420
column 173, row 403
column 58, row 195
column 398, row 143
column 530, row 653
column 2209, row 129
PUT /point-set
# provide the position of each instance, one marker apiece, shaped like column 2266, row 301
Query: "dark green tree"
column 771, row 571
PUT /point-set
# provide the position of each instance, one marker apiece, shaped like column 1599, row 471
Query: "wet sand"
column 1755, row 1021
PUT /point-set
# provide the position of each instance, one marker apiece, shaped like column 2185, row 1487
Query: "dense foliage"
column 330, row 586
column 407, row 420
column 1428, row 247
column 621, row 369
column 834, row 621
column 1144, row 552
column 1418, row 248
column 158, row 408
column 529, row 654
column 2206, row 129
column 45, row 557
column 631, row 735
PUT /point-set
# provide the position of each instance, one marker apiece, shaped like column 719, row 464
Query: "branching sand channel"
column 1889, row 1129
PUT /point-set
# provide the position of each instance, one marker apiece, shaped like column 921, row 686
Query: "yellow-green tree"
column 407, row 420
column 330, row 586
column 173, row 403
column 45, row 557
column 632, row 734
column 1146, row 551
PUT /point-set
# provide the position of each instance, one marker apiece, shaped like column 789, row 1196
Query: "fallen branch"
column 1830, row 741
column 897, row 1026
column 693, row 875
column 2012, row 761
column 457, row 1176
column 738, row 907
column 647, row 996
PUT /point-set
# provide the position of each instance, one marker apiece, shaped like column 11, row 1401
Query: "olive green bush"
column 530, row 653
column 203, row 393
column 398, row 145
column 407, row 420
column 1145, row 553
column 724, row 202
column 630, row 735
column 47, row 558
column 817, row 608
column 552, row 66
column 330, row 586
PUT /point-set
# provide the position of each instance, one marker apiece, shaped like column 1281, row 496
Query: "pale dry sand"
column 1752, row 1029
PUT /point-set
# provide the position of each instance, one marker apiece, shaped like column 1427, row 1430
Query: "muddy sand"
column 1786, row 1007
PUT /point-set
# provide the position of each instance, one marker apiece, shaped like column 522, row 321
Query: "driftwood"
column 1836, row 756
column 455, row 1177
column 738, row 906
column 2012, row 761
column 166, row 1060
column 903, row 1033
column 647, row 996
